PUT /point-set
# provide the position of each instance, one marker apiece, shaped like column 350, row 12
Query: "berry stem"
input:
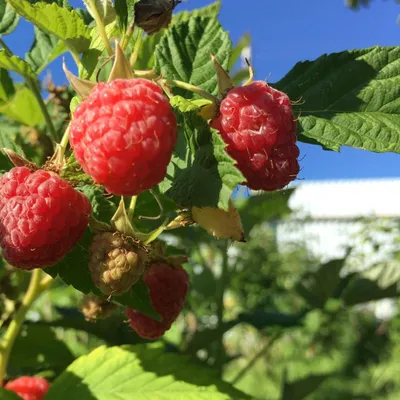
column 190, row 88
column 36, row 287
column 131, row 209
column 64, row 141
column 136, row 49
column 127, row 36
column 101, row 28
column 33, row 85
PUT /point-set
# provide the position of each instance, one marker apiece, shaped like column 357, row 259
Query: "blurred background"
column 308, row 308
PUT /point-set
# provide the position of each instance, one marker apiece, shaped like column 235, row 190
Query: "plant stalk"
column 32, row 83
column 101, row 28
column 222, row 283
column 35, row 289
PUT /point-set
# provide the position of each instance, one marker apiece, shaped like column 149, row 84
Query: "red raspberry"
column 257, row 124
column 168, row 287
column 29, row 387
column 123, row 135
column 41, row 217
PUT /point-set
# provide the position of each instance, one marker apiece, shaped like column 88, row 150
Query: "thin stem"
column 64, row 141
column 101, row 28
column 75, row 55
column 32, row 83
column 127, row 36
column 222, row 281
column 36, row 287
column 131, row 209
column 192, row 88
column 253, row 361
column 136, row 49
column 6, row 48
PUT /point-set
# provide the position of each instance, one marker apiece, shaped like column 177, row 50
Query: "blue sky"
column 287, row 31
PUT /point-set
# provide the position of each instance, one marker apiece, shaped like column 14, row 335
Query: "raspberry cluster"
column 258, row 126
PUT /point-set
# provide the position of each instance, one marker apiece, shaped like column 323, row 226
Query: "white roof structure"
column 326, row 219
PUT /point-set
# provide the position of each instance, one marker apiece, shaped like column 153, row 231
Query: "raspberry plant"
column 156, row 130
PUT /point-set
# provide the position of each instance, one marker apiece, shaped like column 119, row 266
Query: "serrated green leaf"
column 350, row 98
column 184, row 52
column 149, row 43
column 140, row 372
column 103, row 208
column 103, row 8
column 45, row 49
column 72, row 172
column 125, row 10
column 16, row 64
column 211, row 10
column 7, row 89
column 201, row 173
column 8, row 18
column 379, row 282
column 61, row 22
column 24, row 100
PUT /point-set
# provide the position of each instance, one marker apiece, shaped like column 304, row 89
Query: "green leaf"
column 24, row 100
column 350, row 98
column 104, row 8
column 125, row 10
column 212, row 10
column 140, row 372
column 8, row 134
column 7, row 395
column 263, row 207
column 45, row 49
column 103, row 208
column 300, row 389
column 8, row 18
column 72, row 171
column 317, row 287
column 244, row 42
column 184, row 52
column 39, row 344
column 376, row 283
column 149, row 43
column 7, row 89
column 61, row 22
column 16, row 64
column 201, row 173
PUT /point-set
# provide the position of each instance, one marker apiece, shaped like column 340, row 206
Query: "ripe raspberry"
column 123, row 135
column 41, row 217
column 257, row 124
column 115, row 262
column 168, row 287
column 29, row 387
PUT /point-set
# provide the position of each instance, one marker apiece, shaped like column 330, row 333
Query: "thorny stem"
column 35, row 289
column 100, row 26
